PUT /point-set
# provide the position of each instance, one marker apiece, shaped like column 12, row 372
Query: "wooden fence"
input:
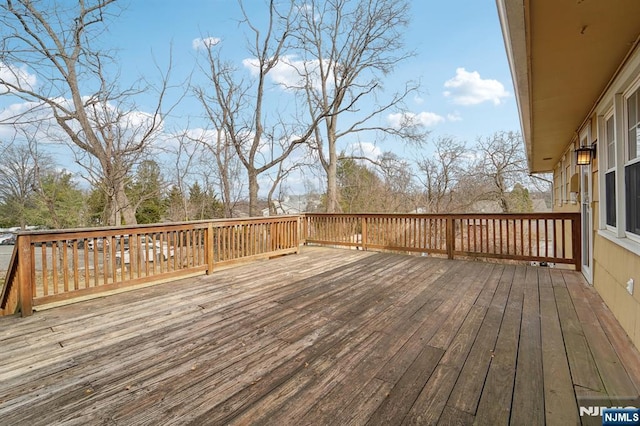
column 541, row 237
column 55, row 266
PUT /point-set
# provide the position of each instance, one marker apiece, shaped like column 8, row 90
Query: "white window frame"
column 557, row 196
column 604, row 169
column 624, row 147
column 614, row 101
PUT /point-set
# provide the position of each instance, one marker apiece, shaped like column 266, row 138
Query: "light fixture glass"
column 584, row 155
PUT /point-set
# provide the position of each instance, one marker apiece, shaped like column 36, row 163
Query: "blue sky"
column 460, row 59
column 456, row 41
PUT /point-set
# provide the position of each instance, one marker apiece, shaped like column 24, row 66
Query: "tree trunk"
column 123, row 211
column 226, row 189
column 253, row 192
column 333, row 200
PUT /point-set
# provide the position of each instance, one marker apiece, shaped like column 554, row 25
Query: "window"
column 632, row 166
column 632, row 195
column 610, row 173
column 618, row 121
column 557, row 185
column 633, row 118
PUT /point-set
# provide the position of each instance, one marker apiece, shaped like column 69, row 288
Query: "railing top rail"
column 537, row 215
column 114, row 231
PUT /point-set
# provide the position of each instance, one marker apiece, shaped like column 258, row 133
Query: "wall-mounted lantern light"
column 585, row 155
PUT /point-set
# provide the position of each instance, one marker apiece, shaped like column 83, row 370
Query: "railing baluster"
column 45, row 270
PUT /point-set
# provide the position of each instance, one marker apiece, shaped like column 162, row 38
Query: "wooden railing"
column 541, row 237
column 55, row 266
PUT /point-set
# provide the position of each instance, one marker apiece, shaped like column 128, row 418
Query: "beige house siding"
column 613, row 266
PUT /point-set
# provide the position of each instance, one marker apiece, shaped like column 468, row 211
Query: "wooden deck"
column 324, row 337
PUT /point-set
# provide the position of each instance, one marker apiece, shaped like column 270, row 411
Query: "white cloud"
column 455, row 116
column 364, row 149
column 18, row 76
column 468, row 88
column 37, row 120
column 427, row 119
column 204, row 43
column 418, row 100
column 290, row 72
column 32, row 118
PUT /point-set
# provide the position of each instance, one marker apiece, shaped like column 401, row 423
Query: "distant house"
column 576, row 72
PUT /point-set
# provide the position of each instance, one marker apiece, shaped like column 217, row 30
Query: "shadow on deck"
column 325, row 337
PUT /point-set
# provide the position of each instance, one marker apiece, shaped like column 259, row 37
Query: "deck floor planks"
column 335, row 316
column 397, row 354
column 443, row 337
column 615, row 379
column 406, row 389
column 430, row 403
column 284, row 347
column 467, row 390
column 380, row 311
column 227, row 355
column 113, row 315
column 528, row 393
column 584, row 371
column 435, row 285
column 559, row 398
column 625, row 350
column 494, row 407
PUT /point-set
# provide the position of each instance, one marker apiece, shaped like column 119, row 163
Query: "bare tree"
column 347, row 48
column 502, row 164
column 226, row 173
column 236, row 106
column 51, row 61
column 441, row 173
column 398, row 183
column 286, row 168
column 18, row 181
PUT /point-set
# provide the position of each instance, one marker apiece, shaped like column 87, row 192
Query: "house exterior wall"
column 616, row 252
column 565, row 197
column 574, row 78
column 613, row 266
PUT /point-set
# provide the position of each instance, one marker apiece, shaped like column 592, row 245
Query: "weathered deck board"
column 559, row 402
column 495, row 402
column 528, row 395
column 323, row 337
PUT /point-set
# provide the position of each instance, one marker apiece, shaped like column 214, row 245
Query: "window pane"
column 610, row 194
column 611, row 144
column 632, row 108
column 633, row 144
column 632, row 197
column 632, row 115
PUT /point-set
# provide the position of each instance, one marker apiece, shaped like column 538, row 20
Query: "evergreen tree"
column 146, row 193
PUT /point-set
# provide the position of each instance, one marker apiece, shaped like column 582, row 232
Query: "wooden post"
column 364, row 233
column 297, row 237
column 209, row 248
column 450, row 237
column 24, row 275
column 576, row 238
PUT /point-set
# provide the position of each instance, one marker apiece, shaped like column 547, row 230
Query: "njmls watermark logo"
column 606, row 412
column 621, row 416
